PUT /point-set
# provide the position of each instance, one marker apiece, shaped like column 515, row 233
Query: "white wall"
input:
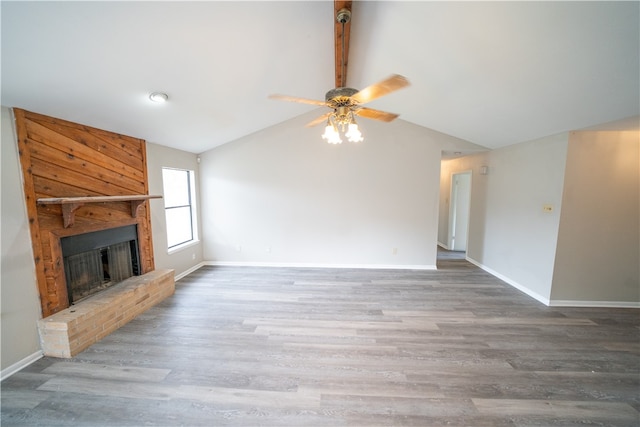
column 585, row 252
column 185, row 259
column 20, row 304
column 284, row 196
column 599, row 238
column 509, row 234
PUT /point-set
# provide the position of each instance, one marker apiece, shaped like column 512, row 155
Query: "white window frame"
column 192, row 207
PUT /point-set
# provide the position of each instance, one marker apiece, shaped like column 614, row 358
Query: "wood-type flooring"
column 250, row 346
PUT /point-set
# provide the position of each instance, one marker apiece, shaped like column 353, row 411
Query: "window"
column 179, row 206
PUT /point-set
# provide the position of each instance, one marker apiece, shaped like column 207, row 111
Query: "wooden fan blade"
column 296, row 99
column 370, row 113
column 319, row 120
column 385, row 87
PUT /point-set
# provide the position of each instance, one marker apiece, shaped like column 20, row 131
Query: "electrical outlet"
column 394, row 251
column 193, row 256
column 238, row 248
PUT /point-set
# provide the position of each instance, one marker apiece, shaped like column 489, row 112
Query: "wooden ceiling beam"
column 341, row 68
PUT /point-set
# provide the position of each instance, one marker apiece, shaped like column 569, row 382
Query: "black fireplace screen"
column 97, row 260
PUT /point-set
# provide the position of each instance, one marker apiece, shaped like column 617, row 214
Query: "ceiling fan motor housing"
column 341, row 96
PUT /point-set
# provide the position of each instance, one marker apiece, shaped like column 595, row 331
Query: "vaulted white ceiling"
column 491, row 73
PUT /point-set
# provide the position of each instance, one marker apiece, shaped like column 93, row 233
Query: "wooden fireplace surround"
column 78, row 179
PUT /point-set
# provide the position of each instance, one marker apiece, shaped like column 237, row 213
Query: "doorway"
column 459, row 211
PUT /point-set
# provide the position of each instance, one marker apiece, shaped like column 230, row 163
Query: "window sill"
column 183, row 246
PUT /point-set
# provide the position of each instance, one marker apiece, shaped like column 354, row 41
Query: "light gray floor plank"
column 344, row 347
column 577, row 410
column 125, row 373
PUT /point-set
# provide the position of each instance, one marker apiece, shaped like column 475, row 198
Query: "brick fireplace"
column 83, row 181
column 104, row 287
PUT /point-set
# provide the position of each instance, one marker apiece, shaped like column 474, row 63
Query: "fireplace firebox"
column 98, row 260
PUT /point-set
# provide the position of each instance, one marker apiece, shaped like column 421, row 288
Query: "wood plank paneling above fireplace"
column 64, row 159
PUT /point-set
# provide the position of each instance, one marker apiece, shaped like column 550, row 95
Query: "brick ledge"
column 72, row 330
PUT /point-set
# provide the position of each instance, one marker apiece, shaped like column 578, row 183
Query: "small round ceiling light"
column 159, row 97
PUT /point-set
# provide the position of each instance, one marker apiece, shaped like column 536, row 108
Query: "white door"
column 459, row 210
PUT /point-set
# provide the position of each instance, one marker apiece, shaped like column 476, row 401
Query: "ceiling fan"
column 345, row 102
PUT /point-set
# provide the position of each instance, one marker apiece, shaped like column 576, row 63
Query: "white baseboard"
column 10, row 370
column 556, row 303
column 444, row 246
column 513, row 283
column 315, row 265
column 594, row 304
column 189, row 271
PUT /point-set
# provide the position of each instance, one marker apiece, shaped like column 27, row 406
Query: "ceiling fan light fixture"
column 339, row 121
column 347, row 102
column 331, row 134
column 354, row 134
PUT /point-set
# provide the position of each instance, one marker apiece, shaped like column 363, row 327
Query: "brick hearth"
column 72, row 330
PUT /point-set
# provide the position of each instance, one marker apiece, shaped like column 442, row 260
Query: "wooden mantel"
column 71, row 204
